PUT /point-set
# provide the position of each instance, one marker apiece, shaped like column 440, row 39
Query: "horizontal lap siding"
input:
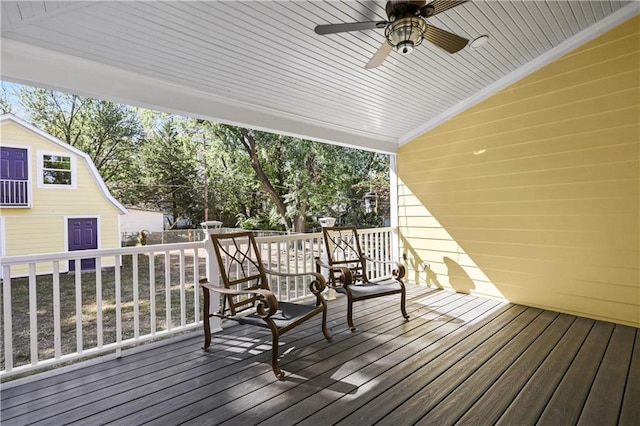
column 533, row 194
column 41, row 228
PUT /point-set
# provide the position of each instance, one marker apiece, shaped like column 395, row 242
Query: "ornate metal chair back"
column 241, row 268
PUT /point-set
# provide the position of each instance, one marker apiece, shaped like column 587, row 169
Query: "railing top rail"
column 376, row 230
column 68, row 255
column 289, row 237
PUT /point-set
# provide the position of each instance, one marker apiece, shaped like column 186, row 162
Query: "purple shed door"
column 13, row 163
column 14, row 173
column 83, row 235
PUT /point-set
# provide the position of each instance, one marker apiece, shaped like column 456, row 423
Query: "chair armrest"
column 398, row 270
column 345, row 276
column 316, row 286
column 266, row 305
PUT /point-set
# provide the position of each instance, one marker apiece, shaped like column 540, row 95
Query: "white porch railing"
column 15, row 193
column 135, row 294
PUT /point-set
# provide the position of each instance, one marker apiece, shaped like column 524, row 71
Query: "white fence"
column 144, row 293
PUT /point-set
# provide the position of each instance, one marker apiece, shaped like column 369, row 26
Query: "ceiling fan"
column 405, row 28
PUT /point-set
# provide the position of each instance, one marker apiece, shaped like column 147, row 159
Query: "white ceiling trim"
column 551, row 55
column 27, row 64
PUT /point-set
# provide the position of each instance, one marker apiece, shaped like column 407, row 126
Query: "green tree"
column 257, row 146
column 304, row 179
column 235, row 196
column 168, row 172
column 369, row 172
column 5, row 103
column 106, row 131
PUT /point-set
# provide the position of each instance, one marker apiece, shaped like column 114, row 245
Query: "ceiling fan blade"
column 380, row 56
column 450, row 42
column 440, row 6
column 352, row 26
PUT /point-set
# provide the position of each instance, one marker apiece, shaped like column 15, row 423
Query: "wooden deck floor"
column 459, row 360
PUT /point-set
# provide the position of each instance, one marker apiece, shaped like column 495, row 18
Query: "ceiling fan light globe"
column 405, row 47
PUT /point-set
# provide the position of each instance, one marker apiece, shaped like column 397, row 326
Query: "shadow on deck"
column 460, row 359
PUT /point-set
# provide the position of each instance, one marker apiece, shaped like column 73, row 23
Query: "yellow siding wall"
column 533, row 194
column 40, row 229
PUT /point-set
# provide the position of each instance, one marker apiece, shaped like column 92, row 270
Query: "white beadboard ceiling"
column 260, row 64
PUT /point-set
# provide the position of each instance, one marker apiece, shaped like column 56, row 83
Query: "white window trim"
column 74, row 170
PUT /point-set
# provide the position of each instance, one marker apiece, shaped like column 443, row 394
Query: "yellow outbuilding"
column 52, row 198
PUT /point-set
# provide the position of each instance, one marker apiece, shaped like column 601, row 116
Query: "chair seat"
column 379, row 287
column 287, row 315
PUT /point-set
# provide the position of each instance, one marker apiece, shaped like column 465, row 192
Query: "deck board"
column 569, row 397
column 630, row 412
column 304, row 366
column 383, row 384
column 175, row 393
column 431, row 381
column 487, row 408
column 605, row 397
column 370, row 380
column 519, row 357
column 349, row 366
column 460, row 359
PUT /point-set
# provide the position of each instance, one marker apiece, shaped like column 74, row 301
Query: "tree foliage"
column 305, row 180
column 168, row 172
column 196, row 170
column 106, row 131
column 5, row 103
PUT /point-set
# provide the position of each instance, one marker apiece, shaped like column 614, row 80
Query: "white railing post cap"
column 211, row 226
column 327, row 221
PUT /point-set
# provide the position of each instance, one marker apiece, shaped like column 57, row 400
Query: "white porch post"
column 393, row 209
column 213, row 271
column 327, row 221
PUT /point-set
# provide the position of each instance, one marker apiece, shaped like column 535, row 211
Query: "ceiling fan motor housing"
column 406, row 27
column 405, row 33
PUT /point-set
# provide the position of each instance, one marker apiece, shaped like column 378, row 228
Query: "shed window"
column 56, row 170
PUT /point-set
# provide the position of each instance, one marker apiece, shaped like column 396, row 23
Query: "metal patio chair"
column 349, row 273
column 247, row 297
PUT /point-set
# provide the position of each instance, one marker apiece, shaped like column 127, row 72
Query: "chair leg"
column 324, row 325
column 403, row 304
column 274, row 355
column 350, row 315
column 205, row 317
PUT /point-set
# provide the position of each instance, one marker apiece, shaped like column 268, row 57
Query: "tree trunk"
column 300, row 221
column 250, row 145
